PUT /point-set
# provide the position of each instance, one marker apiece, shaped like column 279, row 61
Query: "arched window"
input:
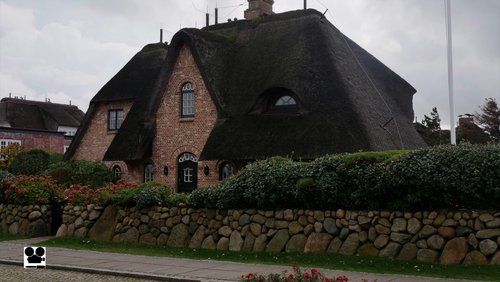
column 148, row 172
column 285, row 101
column 278, row 100
column 226, row 170
column 187, row 100
column 117, row 172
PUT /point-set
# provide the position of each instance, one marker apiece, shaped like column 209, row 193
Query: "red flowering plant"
column 121, row 193
column 30, row 189
column 313, row 275
column 79, row 195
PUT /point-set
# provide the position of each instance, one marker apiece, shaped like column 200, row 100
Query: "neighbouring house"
column 193, row 112
column 38, row 125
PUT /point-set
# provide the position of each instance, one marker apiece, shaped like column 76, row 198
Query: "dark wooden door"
column 187, row 176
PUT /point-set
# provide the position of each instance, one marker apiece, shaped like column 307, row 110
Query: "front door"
column 187, row 173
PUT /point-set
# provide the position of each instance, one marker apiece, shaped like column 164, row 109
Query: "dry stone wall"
column 32, row 220
column 447, row 237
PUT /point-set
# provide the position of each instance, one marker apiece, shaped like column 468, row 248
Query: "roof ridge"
column 33, row 102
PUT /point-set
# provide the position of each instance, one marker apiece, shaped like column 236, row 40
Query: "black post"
column 216, row 15
column 207, row 19
column 161, row 35
column 305, row 4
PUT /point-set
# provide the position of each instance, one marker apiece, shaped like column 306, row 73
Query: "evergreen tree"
column 433, row 123
column 430, row 129
column 489, row 119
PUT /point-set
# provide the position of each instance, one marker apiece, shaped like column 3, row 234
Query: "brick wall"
column 176, row 135
column 97, row 137
column 50, row 141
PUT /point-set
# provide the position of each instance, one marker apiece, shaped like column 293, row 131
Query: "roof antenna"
column 323, row 16
column 161, row 34
column 305, row 4
column 216, row 15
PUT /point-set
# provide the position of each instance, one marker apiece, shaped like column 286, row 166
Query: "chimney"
column 258, row 8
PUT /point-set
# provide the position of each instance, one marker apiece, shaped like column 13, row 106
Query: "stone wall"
column 447, row 237
column 32, row 220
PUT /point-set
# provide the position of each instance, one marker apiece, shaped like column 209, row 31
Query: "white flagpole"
column 447, row 10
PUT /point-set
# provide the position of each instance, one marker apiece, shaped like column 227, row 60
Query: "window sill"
column 186, row 119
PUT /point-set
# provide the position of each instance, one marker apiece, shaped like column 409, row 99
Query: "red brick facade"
column 97, row 137
column 33, row 139
column 176, row 135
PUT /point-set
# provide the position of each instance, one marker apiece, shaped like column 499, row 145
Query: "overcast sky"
column 68, row 49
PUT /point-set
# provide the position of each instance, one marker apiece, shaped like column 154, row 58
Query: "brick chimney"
column 258, row 8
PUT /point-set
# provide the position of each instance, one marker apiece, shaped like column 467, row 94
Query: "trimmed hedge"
column 93, row 173
column 463, row 176
column 31, row 162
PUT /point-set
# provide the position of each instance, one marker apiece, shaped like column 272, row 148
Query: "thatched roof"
column 135, row 79
column 35, row 115
column 349, row 100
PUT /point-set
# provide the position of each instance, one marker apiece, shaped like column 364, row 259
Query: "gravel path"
column 16, row 273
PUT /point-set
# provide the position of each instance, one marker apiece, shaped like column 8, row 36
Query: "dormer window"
column 285, row 102
column 187, row 100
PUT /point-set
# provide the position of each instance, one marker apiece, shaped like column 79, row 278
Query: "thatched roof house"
column 288, row 84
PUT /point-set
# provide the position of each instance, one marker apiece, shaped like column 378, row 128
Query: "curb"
column 138, row 275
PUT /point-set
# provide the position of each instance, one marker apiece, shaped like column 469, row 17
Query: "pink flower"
column 342, row 278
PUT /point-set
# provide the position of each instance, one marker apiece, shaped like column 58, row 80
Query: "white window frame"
column 188, row 175
column 6, row 142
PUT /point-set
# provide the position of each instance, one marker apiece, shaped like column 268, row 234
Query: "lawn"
column 327, row 261
column 7, row 236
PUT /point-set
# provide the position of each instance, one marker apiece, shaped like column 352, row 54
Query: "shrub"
column 154, row 194
column 463, row 176
column 121, row 193
column 93, row 173
column 31, row 162
column 29, row 190
column 445, row 177
column 79, row 195
column 8, row 153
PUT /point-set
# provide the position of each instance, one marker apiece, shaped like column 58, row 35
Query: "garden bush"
column 93, row 173
column 152, row 194
column 29, row 190
column 463, row 176
column 32, row 162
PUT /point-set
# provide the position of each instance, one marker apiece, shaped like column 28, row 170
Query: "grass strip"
column 8, row 236
column 327, row 261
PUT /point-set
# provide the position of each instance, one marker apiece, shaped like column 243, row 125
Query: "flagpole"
column 447, row 10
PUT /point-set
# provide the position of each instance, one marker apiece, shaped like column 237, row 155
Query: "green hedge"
column 31, row 162
column 464, row 176
column 93, row 173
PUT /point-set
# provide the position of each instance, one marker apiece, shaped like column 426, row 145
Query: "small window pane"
column 226, row 171
column 187, row 100
column 115, row 119
column 284, row 101
column 117, row 172
column 148, row 173
column 188, row 175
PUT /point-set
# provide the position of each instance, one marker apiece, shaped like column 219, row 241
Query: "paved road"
column 15, row 273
